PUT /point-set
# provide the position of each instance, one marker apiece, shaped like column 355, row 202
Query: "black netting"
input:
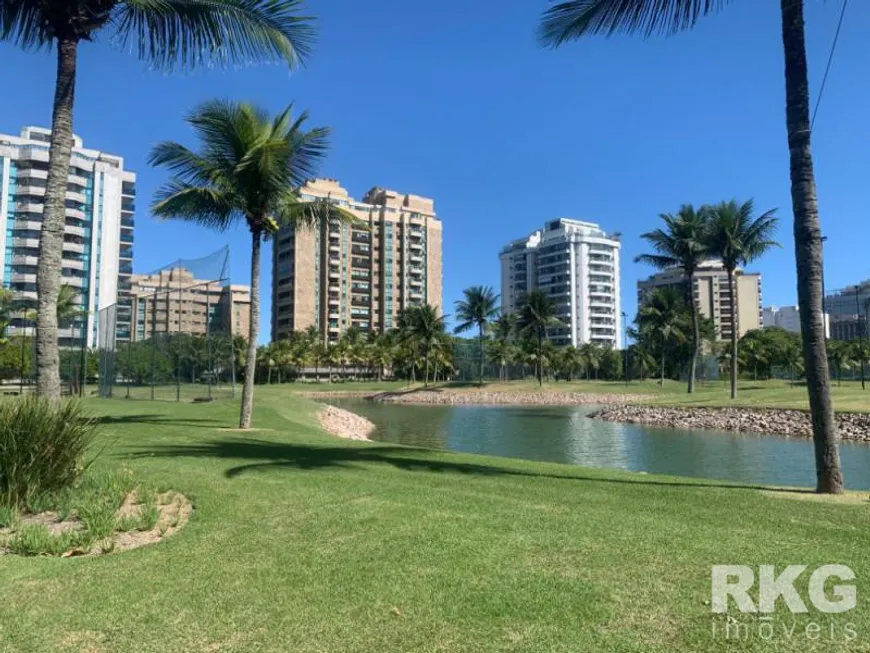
column 172, row 337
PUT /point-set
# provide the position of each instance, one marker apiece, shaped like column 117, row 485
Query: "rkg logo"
column 737, row 580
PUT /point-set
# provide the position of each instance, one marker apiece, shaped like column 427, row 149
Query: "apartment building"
column 849, row 310
column 98, row 240
column 577, row 265
column 713, row 297
column 788, row 318
column 336, row 275
column 174, row 301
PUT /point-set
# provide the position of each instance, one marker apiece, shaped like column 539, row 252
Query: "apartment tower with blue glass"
column 338, row 276
column 98, row 240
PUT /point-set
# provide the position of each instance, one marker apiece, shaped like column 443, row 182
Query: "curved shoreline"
column 758, row 421
column 449, row 397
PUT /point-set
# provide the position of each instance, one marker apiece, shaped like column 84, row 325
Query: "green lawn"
column 301, row 542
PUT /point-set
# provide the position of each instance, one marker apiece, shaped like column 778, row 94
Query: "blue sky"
column 456, row 101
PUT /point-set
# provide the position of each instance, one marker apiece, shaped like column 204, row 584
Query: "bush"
column 42, row 447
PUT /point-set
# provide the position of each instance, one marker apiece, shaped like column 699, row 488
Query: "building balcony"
column 75, row 180
column 71, row 264
column 334, row 275
column 25, row 260
column 415, row 258
column 333, row 301
column 333, row 315
column 25, row 174
column 75, row 213
column 25, row 224
column 126, row 254
column 415, row 270
column 415, row 282
column 415, row 245
column 334, row 247
column 75, row 231
column 75, row 196
column 78, row 248
column 23, row 277
column 30, row 207
column 127, row 223
column 30, row 243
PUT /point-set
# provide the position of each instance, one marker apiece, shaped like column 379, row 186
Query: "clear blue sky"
column 456, row 101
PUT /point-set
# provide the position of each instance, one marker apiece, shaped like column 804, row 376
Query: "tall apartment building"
column 788, row 318
column 337, row 275
column 577, row 265
column 710, row 290
column 173, row 301
column 98, row 240
column 849, row 311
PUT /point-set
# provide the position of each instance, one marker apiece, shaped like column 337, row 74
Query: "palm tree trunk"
column 808, row 249
column 426, row 373
column 733, row 334
column 696, row 335
column 481, row 354
column 253, row 331
column 540, row 360
column 48, row 274
column 663, row 367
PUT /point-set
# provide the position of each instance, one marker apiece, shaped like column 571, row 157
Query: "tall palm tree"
column 504, row 327
column 754, row 354
column 165, row 34
column 537, row 314
column 738, row 238
column 574, row 19
column 663, row 315
column 422, row 327
column 841, row 356
column 476, row 310
column 680, row 244
column 249, row 170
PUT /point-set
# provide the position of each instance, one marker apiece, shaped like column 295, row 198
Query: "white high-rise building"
column 577, row 265
column 98, row 241
column 788, row 318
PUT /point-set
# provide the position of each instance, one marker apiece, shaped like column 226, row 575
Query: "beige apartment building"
column 174, row 301
column 336, row 276
column 710, row 289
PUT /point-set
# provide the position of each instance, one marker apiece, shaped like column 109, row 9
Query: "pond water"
column 564, row 434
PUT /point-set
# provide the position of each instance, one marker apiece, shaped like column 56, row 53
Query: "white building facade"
column 788, row 318
column 577, row 265
column 98, row 239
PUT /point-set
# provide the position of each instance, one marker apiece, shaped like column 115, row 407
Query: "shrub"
column 42, row 447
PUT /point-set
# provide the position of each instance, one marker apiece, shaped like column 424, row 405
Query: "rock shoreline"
column 766, row 421
column 509, row 398
column 345, row 424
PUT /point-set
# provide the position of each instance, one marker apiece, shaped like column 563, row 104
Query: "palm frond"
column 23, row 23
column 573, row 19
column 193, row 33
column 204, row 206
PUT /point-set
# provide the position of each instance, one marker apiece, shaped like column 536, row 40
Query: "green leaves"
column 193, row 33
column 573, row 19
column 477, row 308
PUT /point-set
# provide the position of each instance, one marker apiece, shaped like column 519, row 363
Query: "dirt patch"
column 173, row 511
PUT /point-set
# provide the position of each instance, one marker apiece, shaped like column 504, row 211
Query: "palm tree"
column 167, row 35
column 861, row 354
column 422, row 327
column 754, row 354
column 840, row 354
column 573, row 19
column 738, row 238
column 680, row 244
column 499, row 353
column 537, row 314
column 663, row 314
column 477, row 309
column 249, row 170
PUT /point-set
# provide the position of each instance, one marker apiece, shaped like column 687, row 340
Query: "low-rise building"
column 788, row 318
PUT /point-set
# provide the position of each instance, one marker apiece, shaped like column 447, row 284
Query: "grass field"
column 301, row 542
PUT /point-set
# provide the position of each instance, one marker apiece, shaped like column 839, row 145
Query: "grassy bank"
column 307, row 543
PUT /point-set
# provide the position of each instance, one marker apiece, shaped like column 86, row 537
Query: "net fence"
column 171, row 334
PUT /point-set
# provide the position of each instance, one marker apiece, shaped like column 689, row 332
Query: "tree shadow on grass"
column 267, row 455
column 126, row 420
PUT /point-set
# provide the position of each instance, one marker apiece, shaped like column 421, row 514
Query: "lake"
column 564, row 434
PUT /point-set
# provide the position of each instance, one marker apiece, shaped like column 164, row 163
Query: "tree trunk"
column 48, row 273
column 540, row 360
column 696, row 335
column 426, row 372
column 481, row 354
column 663, row 367
column 808, row 249
column 733, row 334
column 253, row 331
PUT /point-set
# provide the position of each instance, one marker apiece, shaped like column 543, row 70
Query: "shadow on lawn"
column 278, row 455
column 123, row 420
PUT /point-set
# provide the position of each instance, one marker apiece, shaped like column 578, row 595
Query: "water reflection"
column 564, row 434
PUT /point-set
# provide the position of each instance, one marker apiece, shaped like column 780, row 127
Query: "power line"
column 830, row 60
